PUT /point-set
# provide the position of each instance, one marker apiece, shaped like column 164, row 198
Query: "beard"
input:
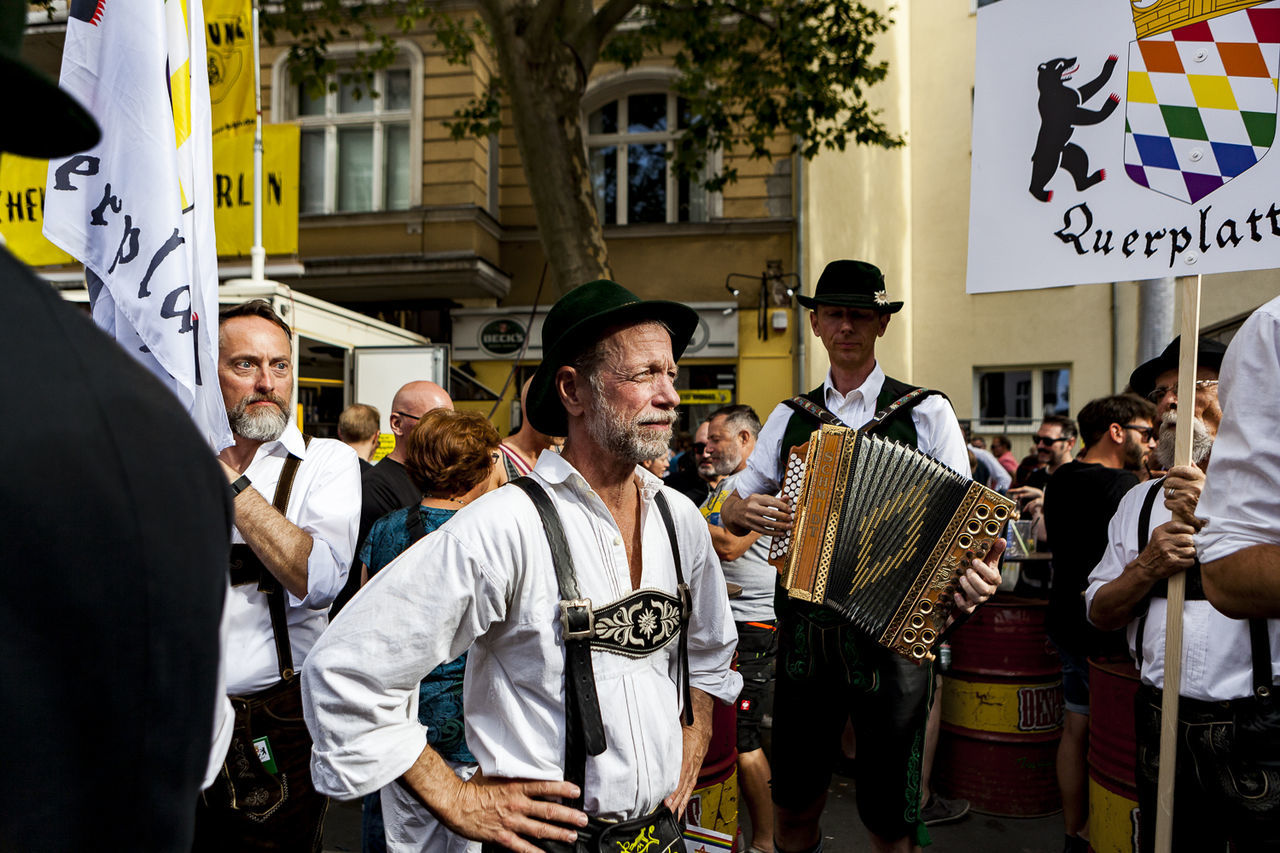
column 1135, row 453
column 726, row 464
column 266, row 423
column 1201, row 441
column 630, row 440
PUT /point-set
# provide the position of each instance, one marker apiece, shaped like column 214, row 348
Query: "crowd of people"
column 518, row 644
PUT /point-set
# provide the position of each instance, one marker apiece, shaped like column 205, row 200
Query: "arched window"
column 359, row 153
column 627, row 142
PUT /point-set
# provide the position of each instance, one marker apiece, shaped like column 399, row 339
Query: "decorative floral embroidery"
column 637, row 625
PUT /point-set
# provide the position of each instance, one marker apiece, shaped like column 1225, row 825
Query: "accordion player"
column 881, row 535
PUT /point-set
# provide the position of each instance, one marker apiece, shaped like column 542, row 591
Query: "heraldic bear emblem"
column 1061, row 111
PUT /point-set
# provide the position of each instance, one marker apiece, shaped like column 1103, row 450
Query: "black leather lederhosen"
column 611, row 628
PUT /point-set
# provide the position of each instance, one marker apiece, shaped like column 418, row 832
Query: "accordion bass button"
column 925, row 606
column 973, row 526
column 927, row 636
column 918, row 651
column 964, row 541
column 908, row 636
column 982, row 510
column 917, row 621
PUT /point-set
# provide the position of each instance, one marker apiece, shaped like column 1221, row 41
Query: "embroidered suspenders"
column 636, row 625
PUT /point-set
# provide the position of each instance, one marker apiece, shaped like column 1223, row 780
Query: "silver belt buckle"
column 586, row 633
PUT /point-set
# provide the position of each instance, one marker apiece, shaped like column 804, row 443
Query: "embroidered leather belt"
column 634, row 626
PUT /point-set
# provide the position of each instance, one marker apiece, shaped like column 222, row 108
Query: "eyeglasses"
column 1044, row 439
column 407, row 415
column 1158, row 393
column 1147, row 433
column 699, row 448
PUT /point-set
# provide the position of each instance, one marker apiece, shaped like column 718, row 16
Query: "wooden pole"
column 1189, row 297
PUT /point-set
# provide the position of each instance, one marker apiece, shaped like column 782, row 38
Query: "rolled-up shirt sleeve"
column 761, row 476
column 1239, row 497
column 360, row 681
column 331, row 517
column 713, row 637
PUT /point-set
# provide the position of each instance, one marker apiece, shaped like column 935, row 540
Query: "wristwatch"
column 240, row 485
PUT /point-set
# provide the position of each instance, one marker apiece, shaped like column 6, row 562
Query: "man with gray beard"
column 297, row 505
column 591, row 601
column 1222, row 792
column 731, row 437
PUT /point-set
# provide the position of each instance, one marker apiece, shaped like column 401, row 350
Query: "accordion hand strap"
column 807, row 406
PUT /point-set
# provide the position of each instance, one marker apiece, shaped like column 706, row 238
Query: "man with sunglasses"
column 1079, row 500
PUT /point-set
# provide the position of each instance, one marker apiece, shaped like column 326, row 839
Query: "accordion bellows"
column 882, row 534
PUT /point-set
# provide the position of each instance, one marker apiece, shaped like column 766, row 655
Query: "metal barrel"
column 1113, row 793
column 714, row 802
column 1002, row 712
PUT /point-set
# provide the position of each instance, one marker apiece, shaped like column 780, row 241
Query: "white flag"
column 137, row 209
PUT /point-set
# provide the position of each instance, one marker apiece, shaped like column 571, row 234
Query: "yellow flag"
column 22, row 183
column 233, row 191
column 229, row 42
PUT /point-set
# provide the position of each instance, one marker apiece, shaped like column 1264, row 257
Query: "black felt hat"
column 1208, row 354
column 579, row 319
column 42, row 120
column 851, row 284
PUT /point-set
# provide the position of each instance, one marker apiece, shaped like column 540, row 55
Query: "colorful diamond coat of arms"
column 1202, row 94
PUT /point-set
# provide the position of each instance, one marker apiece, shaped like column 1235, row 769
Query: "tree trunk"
column 544, row 85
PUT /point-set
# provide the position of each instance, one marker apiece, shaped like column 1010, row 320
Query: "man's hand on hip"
column 496, row 810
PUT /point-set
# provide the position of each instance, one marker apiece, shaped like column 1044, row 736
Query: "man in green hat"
column 117, row 546
column 886, row 696
column 581, row 663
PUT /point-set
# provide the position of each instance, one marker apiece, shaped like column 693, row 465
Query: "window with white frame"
column 358, row 152
column 1021, row 395
column 627, row 143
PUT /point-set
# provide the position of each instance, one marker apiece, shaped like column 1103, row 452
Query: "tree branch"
column 542, row 20
column 608, row 16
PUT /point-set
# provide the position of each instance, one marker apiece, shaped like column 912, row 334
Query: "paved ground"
column 843, row 830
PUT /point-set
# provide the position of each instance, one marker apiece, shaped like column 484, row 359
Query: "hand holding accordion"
column 882, row 534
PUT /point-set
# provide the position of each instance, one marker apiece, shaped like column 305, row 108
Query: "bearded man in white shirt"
column 297, row 507
column 1222, row 792
column 577, row 711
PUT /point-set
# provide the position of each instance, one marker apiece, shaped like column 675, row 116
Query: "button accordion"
column 881, row 535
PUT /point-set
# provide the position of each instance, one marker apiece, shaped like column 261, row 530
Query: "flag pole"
column 1189, row 296
column 257, row 254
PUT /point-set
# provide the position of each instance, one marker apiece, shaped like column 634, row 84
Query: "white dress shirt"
column 485, row 581
column 1240, row 497
column 1216, row 661
column 937, row 432
column 324, row 503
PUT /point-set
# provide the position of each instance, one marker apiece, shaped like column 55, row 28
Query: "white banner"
column 137, row 209
column 1116, row 141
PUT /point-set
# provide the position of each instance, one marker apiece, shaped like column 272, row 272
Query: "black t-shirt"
column 384, row 487
column 1079, row 500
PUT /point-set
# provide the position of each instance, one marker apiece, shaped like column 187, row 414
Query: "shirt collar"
column 555, row 470
column 869, row 389
column 290, row 442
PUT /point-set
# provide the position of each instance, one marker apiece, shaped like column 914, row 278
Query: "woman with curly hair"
column 453, row 458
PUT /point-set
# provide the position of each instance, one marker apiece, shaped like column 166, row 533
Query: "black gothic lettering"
column 1178, row 246
column 108, row 200
column 1152, row 237
column 1229, row 226
column 80, row 164
column 169, row 245
column 128, row 244
column 1066, row 236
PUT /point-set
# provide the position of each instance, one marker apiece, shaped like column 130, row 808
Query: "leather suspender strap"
column 1260, row 647
column 584, row 728
column 686, row 607
column 807, row 406
column 243, row 561
column 413, row 525
column 1144, row 533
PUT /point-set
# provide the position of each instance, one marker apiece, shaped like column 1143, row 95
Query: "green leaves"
column 754, row 70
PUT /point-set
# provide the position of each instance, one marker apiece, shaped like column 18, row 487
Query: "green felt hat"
column 42, row 120
column 851, row 284
column 579, row 319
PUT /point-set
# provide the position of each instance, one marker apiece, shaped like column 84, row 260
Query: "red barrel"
column 1002, row 712
column 714, row 802
column 1113, row 793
